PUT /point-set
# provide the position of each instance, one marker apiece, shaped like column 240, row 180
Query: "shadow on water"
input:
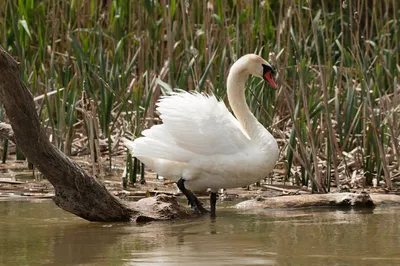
column 42, row 234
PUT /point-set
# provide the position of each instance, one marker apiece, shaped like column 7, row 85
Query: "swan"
column 201, row 145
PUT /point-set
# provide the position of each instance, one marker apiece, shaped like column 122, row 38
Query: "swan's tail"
column 153, row 147
column 153, row 155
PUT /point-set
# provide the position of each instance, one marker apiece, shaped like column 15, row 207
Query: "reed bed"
column 97, row 68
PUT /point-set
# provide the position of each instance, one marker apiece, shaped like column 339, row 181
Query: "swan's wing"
column 199, row 124
column 157, row 143
column 193, row 124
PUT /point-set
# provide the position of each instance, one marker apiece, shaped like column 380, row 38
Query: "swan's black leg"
column 193, row 200
column 213, row 203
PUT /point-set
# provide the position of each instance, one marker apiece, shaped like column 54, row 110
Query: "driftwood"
column 319, row 200
column 75, row 190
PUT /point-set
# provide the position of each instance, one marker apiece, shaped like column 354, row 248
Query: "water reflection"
column 42, row 234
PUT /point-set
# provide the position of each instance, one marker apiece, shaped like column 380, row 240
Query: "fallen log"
column 9, row 181
column 319, row 200
column 381, row 199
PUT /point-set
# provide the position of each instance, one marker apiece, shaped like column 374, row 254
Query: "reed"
column 335, row 112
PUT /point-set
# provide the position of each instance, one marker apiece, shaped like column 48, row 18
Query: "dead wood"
column 75, row 190
column 312, row 200
column 286, row 190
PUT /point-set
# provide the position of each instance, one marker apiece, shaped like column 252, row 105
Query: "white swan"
column 201, row 145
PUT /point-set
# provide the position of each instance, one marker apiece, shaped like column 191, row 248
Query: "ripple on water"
column 41, row 232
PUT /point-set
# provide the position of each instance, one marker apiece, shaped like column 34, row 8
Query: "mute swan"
column 202, row 145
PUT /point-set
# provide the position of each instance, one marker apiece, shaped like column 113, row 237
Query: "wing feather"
column 193, row 124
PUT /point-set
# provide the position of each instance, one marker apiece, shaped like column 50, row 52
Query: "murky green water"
column 42, row 234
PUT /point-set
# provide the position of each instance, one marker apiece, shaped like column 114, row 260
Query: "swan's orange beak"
column 270, row 79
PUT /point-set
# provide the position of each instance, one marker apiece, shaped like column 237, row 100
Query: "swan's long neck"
column 235, row 89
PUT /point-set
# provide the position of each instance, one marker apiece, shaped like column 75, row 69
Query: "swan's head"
column 252, row 64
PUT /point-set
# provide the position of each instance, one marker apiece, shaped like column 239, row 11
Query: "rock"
column 160, row 207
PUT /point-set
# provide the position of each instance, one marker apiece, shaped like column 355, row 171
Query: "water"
column 42, row 234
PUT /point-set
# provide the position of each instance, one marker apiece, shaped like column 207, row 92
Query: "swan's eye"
column 272, row 70
column 266, row 69
column 267, row 75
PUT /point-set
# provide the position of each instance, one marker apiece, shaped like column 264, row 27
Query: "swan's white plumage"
column 202, row 142
column 196, row 121
column 184, row 135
